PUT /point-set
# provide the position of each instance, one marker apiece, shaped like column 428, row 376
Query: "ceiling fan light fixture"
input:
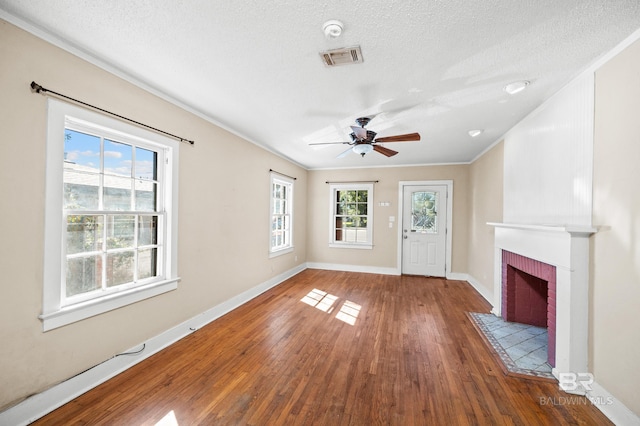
column 362, row 148
column 516, row 87
column 332, row 29
column 475, row 132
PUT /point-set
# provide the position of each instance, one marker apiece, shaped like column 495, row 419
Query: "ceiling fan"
column 364, row 141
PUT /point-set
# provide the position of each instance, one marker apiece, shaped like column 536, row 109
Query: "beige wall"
column 485, row 205
column 223, row 218
column 615, row 272
column 385, row 239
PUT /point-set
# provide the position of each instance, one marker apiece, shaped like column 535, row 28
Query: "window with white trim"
column 351, row 216
column 281, row 217
column 111, row 214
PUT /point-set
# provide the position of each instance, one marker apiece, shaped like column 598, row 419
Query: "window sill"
column 351, row 246
column 280, row 252
column 80, row 311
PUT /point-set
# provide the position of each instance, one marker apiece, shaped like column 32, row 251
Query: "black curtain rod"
column 36, row 88
column 282, row 174
column 354, row 181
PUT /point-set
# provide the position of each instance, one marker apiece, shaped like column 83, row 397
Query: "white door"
column 424, row 230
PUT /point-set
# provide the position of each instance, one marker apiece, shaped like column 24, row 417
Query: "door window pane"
column 424, row 212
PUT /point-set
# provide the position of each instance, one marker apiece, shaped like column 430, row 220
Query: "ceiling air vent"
column 344, row 56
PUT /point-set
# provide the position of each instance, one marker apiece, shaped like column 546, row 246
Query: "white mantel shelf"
column 571, row 229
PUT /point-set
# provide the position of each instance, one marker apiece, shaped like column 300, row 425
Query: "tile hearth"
column 522, row 348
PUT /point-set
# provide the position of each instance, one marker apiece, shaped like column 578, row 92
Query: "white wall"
column 548, row 160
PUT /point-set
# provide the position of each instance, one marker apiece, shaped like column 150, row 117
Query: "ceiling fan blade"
column 409, row 137
column 330, row 143
column 384, row 151
column 360, row 132
column 344, row 154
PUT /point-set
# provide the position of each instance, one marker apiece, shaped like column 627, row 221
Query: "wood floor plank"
column 333, row 348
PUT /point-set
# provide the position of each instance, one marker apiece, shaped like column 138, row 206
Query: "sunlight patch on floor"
column 326, row 302
column 349, row 312
column 168, row 420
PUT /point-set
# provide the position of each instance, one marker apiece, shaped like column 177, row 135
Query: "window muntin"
column 116, row 246
column 281, row 215
column 351, row 215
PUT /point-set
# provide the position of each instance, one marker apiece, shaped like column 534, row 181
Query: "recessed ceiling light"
column 516, row 87
column 332, row 29
column 475, row 132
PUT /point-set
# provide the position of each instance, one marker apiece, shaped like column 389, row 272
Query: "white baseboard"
column 615, row 410
column 353, row 268
column 38, row 405
column 480, row 289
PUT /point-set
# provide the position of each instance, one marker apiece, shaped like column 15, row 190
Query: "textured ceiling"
column 433, row 67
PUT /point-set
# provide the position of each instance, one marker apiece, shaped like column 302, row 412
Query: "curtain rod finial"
column 35, row 87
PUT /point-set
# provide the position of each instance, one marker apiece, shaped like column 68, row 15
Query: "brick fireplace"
column 529, row 295
column 546, row 263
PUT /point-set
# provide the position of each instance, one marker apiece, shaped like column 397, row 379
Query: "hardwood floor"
column 372, row 350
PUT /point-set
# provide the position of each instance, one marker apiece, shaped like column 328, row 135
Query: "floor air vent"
column 344, row 56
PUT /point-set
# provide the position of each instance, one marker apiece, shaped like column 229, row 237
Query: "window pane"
column 147, row 230
column 362, row 209
column 424, row 212
column 81, row 190
column 147, row 263
column 81, row 151
column 146, row 166
column 351, row 209
column 117, row 193
column 349, row 222
column 118, row 158
column 362, row 196
column 84, row 233
column 146, row 195
column 83, row 275
column 120, row 231
column 119, row 268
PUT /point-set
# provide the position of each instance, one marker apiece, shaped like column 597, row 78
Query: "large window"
column 281, row 237
column 111, row 215
column 351, row 215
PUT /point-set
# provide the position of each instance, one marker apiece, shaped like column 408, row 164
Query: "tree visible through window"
column 351, row 215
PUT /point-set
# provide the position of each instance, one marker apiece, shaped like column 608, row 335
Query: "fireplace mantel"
column 567, row 248
column 570, row 229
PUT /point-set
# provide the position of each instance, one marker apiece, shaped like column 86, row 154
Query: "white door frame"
column 449, row 185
